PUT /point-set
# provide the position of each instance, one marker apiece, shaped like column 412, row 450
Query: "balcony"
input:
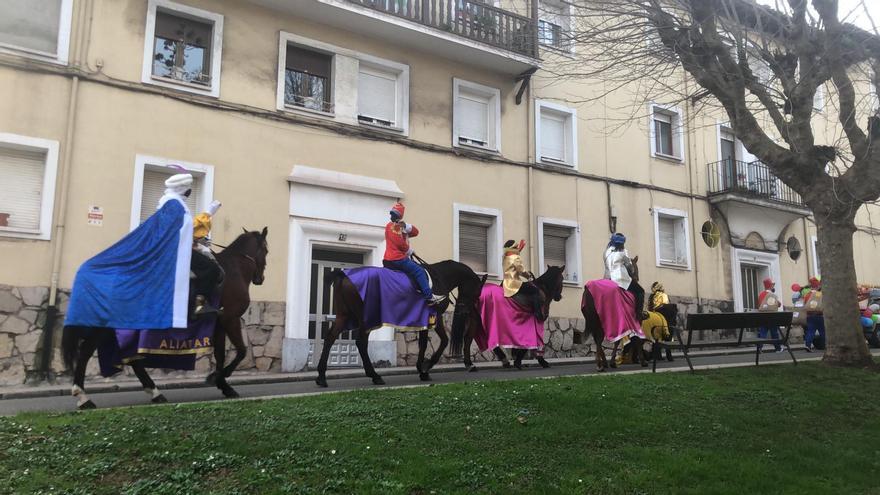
column 470, row 31
column 753, row 200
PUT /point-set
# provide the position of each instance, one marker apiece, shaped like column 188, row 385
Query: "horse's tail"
column 70, row 339
column 459, row 326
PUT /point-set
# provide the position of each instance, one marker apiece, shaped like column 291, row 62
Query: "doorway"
column 322, row 311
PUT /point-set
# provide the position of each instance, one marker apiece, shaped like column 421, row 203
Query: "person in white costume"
column 619, row 269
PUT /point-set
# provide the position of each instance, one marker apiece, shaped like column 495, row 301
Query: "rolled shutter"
column 553, row 137
column 21, row 193
column 377, row 95
column 30, row 24
column 555, row 240
column 473, row 119
column 666, row 234
column 154, row 188
column 177, row 28
column 473, row 240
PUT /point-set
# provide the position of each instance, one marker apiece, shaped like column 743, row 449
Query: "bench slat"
column 730, row 321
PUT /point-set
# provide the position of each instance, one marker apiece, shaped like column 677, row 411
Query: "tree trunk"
column 846, row 344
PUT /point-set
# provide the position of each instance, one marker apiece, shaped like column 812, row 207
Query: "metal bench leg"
column 684, row 350
column 654, row 354
column 788, row 345
column 757, row 354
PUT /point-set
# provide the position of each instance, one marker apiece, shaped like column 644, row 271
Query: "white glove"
column 213, row 207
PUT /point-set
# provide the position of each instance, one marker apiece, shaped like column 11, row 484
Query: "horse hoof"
column 472, row 369
column 230, row 393
column 425, row 377
column 505, row 364
column 613, row 365
column 377, row 380
column 600, row 370
column 322, row 382
column 86, row 405
column 211, row 379
column 159, row 399
column 518, row 365
column 543, row 362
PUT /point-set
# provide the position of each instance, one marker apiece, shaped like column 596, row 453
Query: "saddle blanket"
column 506, row 324
column 390, row 300
column 616, row 309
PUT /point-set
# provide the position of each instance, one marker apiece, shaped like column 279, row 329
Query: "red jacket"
column 397, row 240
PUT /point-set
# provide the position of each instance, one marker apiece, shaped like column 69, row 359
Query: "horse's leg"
column 86, row 349
column 601, row 360
column 518, row 355
column 362, row 341
column 332, row 335
column 438, row 352
column 140, row 372
column 640, row 349
column 539, row 356
column 499, row 353
column 468, row 341
column 423, row 345
column 613, row 363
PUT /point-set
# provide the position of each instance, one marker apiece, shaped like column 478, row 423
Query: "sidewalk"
column 129, row 384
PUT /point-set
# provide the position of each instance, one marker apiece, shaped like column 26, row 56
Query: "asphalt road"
column 202, row 393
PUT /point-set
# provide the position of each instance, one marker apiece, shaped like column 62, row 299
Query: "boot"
column 202, row 307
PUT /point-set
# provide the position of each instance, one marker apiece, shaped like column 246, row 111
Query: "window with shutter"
column 474, row 119
column 473, row 240
column 663, row 134
column 476, row 115
column 555, row 242
column 31, row 25
column 553, row 138
column 666, row 227
column 307, row 79
column 377, row 96
column 21, row 194
column 154, row 188
column 182, row 48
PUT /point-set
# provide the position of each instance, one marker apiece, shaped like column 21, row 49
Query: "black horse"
column 244, row 262
column 549, row 285
column 446, row 275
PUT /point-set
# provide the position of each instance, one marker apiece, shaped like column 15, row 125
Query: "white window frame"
column 381, row 64
column 680, row 216
column 565, row 11
column 819, row 99
column 814, row 241
column 50, row 172
column 62, row 52
column 572, row 249
column 495, row 235
column 216, row 47
column 677, row 116
column 571, row 145
column 724, row 128
column 493, row 133
column 143, row 162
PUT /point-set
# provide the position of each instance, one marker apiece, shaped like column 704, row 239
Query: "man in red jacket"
column 398, row 251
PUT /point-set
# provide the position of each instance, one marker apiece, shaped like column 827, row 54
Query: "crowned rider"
column 209, row 273
column 619, row 268
column 398, row 252
column 517, row 280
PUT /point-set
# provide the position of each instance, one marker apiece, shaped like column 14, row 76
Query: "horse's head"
column 635, row 269
column 254, row 247
column 551, row 282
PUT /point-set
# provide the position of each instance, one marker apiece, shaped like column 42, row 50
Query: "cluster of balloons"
column 871, row 316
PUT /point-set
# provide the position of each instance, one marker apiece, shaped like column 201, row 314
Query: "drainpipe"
column 691, row 145
column 531, row 184
column 58, row 237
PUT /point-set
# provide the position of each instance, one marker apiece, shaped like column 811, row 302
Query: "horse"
column 244, row 262
column 446, row 276
column 594, row 326
column 549, row 286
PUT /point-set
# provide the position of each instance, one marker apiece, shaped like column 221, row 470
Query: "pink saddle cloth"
column 506, row 323
column 616, row 308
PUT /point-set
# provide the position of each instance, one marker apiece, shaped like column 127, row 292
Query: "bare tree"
column 762, row 65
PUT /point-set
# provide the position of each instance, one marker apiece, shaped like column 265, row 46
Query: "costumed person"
column 768, row 303
column 209, row 274
column 619, row 268
column 398, row 252
column 815, row 315
column 517, row 281
column 142, row 281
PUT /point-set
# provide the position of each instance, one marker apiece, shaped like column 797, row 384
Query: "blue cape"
column 142, row 281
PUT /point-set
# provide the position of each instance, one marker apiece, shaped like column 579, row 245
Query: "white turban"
column 179, row 183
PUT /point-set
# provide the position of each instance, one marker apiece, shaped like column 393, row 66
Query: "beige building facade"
column 312, row 117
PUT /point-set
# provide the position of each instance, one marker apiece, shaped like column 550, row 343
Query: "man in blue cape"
column 142, row 281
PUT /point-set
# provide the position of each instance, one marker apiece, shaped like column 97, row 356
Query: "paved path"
column 57, row 399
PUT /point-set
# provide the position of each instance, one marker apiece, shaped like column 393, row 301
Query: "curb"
column 184, row 383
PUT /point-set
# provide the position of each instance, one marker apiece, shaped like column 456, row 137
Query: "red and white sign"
column 96, row 216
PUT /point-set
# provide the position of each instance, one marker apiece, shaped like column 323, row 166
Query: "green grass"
column 768, row 429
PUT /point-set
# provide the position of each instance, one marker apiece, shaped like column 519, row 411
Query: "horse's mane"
column 240, row 242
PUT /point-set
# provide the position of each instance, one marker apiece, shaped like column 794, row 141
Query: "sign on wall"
column 96, row 216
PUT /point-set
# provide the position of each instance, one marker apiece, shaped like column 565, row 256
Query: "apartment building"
column 311, row 117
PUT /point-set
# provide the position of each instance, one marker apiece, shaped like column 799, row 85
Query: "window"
column 27, row 174
column 817, row 267
column 149, row 186
column 476, row 116
column 666, row 135
column 382, row 98
column 183, row 48
column 672, row 243
column 727, row 145
column 554, row 25
column 560, row 245
column 307, row 79
column 556, row 133
column 36, row 28
column 819, row 99
column 477, row 238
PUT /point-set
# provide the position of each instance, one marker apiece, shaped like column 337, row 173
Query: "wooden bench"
column 728, row 321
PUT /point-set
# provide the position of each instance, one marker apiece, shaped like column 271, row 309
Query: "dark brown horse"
column 244, row 262
column 446, row 275
column 549, row 286
column 594, row 326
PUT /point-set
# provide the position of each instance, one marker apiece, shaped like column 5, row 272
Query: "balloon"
column 796, row 287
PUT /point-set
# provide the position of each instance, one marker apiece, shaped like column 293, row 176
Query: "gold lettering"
column 163, row 344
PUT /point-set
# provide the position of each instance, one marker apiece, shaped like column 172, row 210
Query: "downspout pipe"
column 691, row 164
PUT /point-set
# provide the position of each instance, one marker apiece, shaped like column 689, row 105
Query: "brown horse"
column 549, row 286
column 446, row 275
column 594, row 326
column 244, row 261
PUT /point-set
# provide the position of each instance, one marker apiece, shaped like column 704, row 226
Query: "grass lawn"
column 767, row 429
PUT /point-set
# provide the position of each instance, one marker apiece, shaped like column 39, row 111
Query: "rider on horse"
column 517, row 281
column 398, row 252
column 209, row 274
column 619, row 267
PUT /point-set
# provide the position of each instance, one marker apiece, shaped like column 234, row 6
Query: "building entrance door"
column 322, row 312
column 752, row 280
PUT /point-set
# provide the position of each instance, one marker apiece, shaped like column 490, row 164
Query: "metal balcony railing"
column 750, row 179
column 472, row 19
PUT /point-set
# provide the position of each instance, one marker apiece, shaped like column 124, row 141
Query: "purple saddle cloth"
column 390, row 299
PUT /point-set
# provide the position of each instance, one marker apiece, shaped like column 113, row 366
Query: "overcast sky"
column 851, row 11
